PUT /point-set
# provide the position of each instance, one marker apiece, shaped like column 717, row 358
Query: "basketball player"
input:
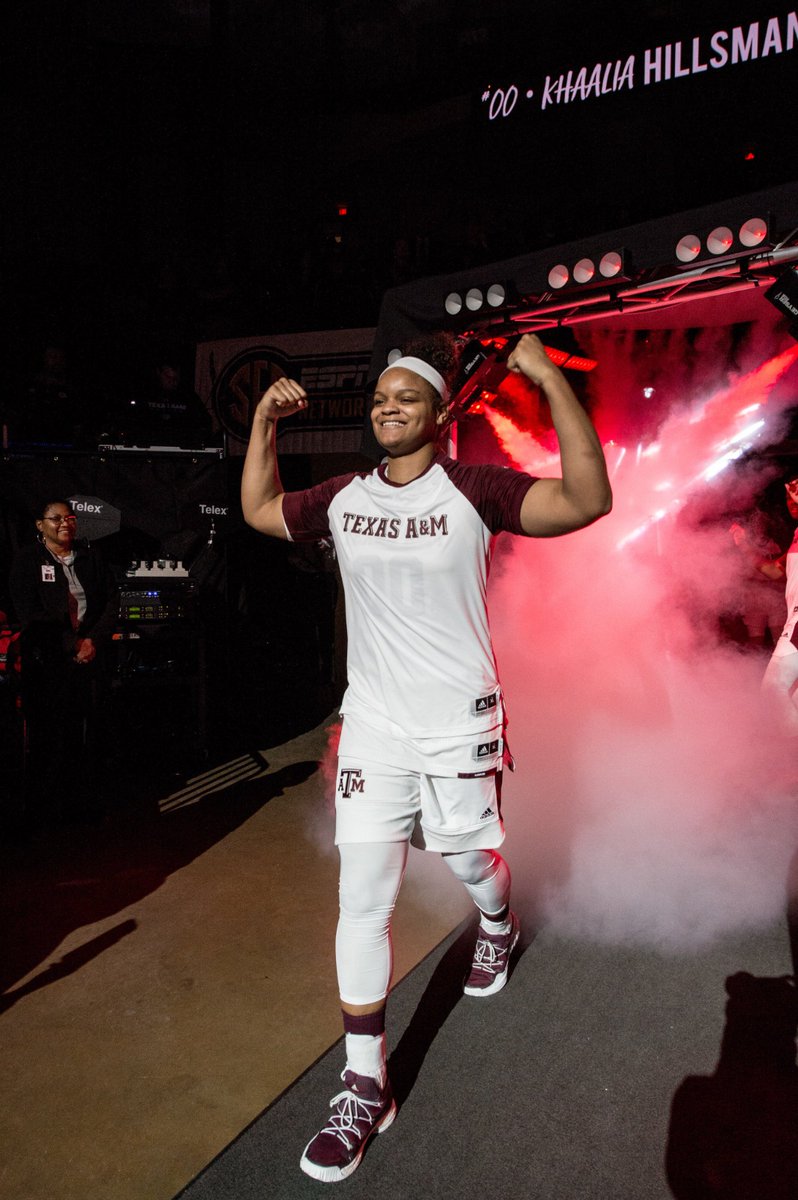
column 422, row 743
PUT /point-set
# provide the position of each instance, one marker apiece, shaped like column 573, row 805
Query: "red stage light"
column 485, row 375
column 577, row 363
column 560, row 358
column 498, row 344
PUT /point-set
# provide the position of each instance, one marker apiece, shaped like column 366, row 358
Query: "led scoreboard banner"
column 691, row 54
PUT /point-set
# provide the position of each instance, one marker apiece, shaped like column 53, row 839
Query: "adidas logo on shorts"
column 486, row 749
column 487, row 813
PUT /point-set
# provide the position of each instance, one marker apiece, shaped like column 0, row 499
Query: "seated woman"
column 67, row 606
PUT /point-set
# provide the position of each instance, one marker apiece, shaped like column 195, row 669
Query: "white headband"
column 419, row 367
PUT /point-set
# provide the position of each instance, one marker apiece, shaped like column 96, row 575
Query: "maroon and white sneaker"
column 492, row 960
column 361, row 1110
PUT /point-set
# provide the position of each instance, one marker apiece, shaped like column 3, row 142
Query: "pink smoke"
column 653, row 800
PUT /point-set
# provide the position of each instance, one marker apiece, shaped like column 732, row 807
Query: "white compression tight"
column 486, row 877
column 371, row 875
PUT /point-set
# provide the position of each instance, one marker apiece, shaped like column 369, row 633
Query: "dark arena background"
column 204, row 195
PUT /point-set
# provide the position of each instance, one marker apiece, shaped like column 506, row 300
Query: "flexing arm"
column 583, row 494
column 261, row 490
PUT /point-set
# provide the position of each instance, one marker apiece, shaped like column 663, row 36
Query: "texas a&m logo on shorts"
column 350, row 780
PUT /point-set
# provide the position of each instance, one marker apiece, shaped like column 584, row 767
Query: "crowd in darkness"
column 96, row 336
column 163, row 193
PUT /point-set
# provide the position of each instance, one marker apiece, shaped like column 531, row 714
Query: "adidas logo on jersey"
column 483, row 704
column 487, row 813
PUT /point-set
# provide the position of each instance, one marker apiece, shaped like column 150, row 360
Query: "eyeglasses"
column 61, row 520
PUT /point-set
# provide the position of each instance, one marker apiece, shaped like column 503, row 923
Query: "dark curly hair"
column 440, row 350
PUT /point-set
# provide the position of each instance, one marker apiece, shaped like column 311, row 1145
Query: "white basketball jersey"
column 414, row 560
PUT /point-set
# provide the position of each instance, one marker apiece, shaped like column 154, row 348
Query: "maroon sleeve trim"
column 497, row 493
column 305, row 513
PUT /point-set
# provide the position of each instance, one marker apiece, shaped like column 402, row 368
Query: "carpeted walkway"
column 600, row 1073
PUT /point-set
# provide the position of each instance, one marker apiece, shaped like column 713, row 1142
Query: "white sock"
column 365, row 1055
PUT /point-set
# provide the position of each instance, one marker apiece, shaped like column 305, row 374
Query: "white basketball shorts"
column 395, row 789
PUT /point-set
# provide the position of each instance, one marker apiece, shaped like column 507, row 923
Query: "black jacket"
column 44, row 604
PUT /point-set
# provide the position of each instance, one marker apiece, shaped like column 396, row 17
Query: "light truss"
column 551, row 309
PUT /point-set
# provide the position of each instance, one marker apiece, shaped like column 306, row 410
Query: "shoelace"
column 487, row 956
column 353, row 1109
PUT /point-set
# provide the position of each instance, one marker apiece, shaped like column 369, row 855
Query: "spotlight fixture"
column 394, row 355
column 489, row 297
column 688, row 248
column 590, row 269
column 559, row 276
column 474, row 299
column 753, row 232
column 610, row 264
column 722, row 241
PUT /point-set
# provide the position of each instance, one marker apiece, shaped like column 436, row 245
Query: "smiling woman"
column 66, row 603
column 422, row 745
column 409, row 415
column 411, row 406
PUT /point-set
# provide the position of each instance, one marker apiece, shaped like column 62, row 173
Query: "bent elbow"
column 601, row 507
